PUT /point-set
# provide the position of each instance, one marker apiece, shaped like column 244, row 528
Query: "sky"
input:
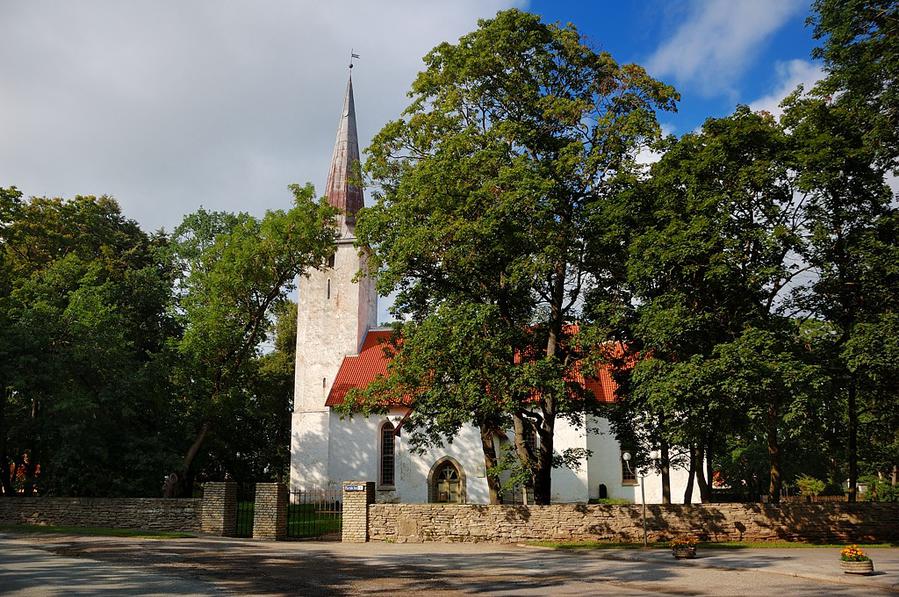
column 169, row 105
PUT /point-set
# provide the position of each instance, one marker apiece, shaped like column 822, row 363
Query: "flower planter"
column 684, row 552
column 863, row 567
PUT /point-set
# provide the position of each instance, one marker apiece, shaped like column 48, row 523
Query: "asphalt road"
column 57, row 565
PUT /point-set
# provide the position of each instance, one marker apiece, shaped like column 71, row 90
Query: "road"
column 66, row 565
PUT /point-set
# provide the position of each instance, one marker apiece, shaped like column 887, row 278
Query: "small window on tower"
column 331, row 261
column 329, row 289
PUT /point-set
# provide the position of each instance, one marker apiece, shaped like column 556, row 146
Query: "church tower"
column 334, row 313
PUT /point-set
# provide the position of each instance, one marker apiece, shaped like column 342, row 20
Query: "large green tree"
column 852, row 246
column 860, row 49
column 83, row 301
column 234, row 274
column 712, row 239
column 485, row 190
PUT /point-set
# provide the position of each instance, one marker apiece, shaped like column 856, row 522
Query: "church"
column 340, row 347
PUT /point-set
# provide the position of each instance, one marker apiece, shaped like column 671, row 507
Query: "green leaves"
column 486, row 190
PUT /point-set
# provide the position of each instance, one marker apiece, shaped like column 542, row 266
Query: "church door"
column 447, row 484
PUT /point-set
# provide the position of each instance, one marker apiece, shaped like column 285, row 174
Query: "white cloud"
column 718, row 40
column 790, row 74
column 170, row 105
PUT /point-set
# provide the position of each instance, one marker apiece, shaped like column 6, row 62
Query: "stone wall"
column 358, row 497
column 131, row 513
column 573, row 522
column 219, row 513
column 270, row 512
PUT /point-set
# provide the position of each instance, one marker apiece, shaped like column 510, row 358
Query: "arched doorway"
column 446, row 482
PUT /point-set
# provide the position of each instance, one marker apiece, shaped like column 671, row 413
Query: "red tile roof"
column 359, row 371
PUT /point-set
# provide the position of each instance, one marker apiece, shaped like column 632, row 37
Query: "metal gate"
column 246, row 502
column 315, row 514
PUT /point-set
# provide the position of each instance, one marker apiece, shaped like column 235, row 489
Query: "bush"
column 809, row 485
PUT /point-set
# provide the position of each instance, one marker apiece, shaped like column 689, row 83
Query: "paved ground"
column 63, row 565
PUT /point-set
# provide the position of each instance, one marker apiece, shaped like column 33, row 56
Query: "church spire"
column 344, row 186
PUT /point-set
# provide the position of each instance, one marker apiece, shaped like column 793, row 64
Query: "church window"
column 331, row 261
column 388, row 454
column 628, row 474
column 329, row 289
column 447, row 484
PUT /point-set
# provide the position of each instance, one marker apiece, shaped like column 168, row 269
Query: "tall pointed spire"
column 344, row 186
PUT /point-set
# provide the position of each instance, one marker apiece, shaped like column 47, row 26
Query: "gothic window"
column 388, row 454
column 628, row 474
column 447, row 483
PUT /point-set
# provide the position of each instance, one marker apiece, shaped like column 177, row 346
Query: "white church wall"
column 413, row 469
column 569, row 483
column 605, row 467
column 309, row 447
column 333, row 315
column 355, row 455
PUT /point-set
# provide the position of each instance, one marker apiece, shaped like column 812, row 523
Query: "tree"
column 711, row 239
column 860, row 50
column 83, row 303
column 235, row 271
column 852, row 238
column 487, row 184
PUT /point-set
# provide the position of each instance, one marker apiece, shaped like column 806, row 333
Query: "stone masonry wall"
column 125, row 513
column 356, row 505
column 219, row 513
column 270, row 512
column 410, row 523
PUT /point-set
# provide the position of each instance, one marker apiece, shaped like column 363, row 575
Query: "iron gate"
column 315, row 514
column 246, row 502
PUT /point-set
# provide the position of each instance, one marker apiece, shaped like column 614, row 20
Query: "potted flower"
column 854, row 561
column 684, row 547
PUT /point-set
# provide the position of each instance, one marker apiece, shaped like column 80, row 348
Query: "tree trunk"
column 665, row 464
column 691, row 477
column 704, row 493
column 775, row 482
column 853, row 441
column 5, row 479
column 185, row 475
column 490, row 462
column 546, row 429
column 525, row 456
column 543, row 474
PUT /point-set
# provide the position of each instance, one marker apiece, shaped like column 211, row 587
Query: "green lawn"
column 92, row 531
column 710, row 545
column 308, row 520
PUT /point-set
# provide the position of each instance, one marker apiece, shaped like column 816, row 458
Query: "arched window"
column 446, row 482
column 388, row 454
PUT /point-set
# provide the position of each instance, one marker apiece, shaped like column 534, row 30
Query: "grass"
column 92, row 531
column 586, row 545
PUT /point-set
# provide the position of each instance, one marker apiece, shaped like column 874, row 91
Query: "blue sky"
column 715, row 52
column 169, row 105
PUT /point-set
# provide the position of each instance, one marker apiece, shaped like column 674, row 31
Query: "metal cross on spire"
column 352, row 55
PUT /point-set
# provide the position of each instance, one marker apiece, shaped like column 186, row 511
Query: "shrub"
column 809, row 485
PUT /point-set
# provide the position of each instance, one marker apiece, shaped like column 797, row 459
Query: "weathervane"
column 352, row 56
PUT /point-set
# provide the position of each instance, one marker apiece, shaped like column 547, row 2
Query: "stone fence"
column 155, row 514
column 213, row 514
column 411, row 523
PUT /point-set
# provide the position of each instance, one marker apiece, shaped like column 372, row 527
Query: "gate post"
column 270, row 512
column 357, row 495
column 219, row 510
